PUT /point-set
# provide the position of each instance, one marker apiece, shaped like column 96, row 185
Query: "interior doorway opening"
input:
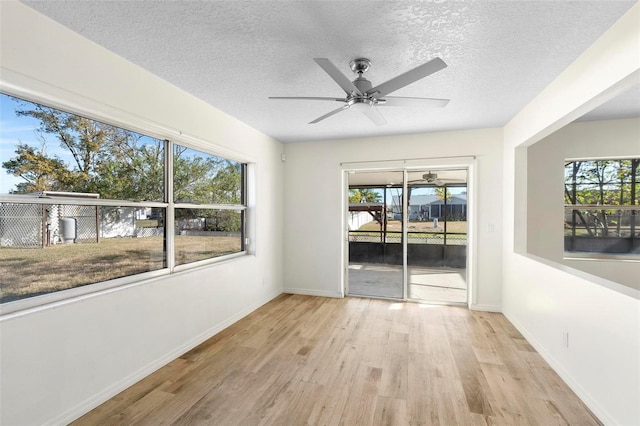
column 407, row 235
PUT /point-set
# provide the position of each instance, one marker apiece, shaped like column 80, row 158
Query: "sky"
column 15, row 130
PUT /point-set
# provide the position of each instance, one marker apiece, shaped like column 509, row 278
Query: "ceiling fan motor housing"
column 362, row 84
column 361, row 66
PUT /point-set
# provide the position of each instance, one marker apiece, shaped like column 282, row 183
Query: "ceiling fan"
column 432, row 179
column 363, row 96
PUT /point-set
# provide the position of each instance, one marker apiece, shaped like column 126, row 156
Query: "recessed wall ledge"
column 611, row 285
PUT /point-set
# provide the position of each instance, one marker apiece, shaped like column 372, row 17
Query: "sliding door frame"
column 406, row 166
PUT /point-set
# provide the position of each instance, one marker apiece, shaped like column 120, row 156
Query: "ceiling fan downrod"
column 361, row 66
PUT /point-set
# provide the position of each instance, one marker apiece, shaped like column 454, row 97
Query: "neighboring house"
column 429, row 207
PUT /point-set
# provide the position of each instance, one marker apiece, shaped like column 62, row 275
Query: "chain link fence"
column 21, row 225
column 395, row 237
column 25, row 225
column 87, row 226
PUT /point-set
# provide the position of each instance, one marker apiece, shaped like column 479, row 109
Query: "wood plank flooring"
column 302, row 360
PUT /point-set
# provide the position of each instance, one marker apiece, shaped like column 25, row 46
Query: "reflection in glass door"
column 375, row 235
column 437, row 236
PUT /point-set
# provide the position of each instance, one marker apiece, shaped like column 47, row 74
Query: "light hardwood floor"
column 310, row 360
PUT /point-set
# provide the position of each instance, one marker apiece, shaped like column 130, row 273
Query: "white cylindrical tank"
column 68, row 230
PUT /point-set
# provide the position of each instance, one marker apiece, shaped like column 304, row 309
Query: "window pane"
column 604, row 182
column 53, row 247
column 204, row 234
column 601, row 223
column 602, row 231
column 52, row 150
column 202, row 178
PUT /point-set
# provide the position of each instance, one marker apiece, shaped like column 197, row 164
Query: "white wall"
column 545, row 299
column 313, row 205
column 59, row 361
column 545, row 205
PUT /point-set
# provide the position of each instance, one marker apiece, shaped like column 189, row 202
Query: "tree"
column 363, row 195
column 89, row 142
column 207, row 179
column 121, row 164
column 441, row 192
column 226, row 188
column 107, row 160
column 137, row 176
column 40, row 172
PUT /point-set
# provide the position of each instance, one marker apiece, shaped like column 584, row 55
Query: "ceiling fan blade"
column 337, row 76
column 308, row 98
column 404, row 101
column 407, row 78
column 329, row 114
column 374, row 115
column 424, row 183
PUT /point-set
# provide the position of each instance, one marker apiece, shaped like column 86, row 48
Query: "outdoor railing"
column 412, row 237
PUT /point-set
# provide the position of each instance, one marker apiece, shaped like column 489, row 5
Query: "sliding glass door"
column 375, row 235
column 437, row 236
column 408, row 240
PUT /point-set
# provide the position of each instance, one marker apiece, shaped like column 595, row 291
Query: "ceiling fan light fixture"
column 360, row 104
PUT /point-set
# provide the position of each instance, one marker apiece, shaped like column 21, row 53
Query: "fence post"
column 97, row 224
column 44, row 226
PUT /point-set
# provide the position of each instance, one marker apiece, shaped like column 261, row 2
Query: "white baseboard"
column 602, row 414
column 485, row 308
column 111, row 391
column 308, row 292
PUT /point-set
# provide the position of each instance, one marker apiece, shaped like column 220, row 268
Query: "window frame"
column 124, row 120
column 174, row 206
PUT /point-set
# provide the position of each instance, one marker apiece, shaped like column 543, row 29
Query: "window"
column 84, row 202
column 209, row 214
column 601, row 208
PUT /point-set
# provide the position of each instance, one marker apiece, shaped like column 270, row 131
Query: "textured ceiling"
column 235, row 54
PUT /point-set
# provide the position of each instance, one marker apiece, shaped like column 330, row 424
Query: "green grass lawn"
column 31, row 272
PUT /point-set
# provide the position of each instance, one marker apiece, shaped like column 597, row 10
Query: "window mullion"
column 243, row 227
column 170, row 222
